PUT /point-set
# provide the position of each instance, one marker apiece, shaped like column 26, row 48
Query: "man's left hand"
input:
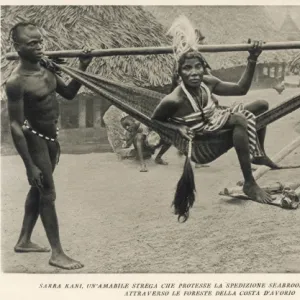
column 256, row 48
column 85, row 59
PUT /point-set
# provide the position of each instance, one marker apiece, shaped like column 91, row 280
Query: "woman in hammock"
column 191, row 105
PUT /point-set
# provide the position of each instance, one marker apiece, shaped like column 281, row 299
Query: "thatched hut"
column 289, row 28
column 96, row 27
column 232, row 24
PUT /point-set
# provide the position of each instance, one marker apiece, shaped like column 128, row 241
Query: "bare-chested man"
column 34, row 111
column 194, row 94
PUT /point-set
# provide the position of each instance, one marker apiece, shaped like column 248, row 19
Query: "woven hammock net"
column 140, row 104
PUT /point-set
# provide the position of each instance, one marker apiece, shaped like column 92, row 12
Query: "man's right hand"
column 186, row 132
column 35, row 177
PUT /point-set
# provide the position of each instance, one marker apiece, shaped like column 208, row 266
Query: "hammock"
column 140, row 104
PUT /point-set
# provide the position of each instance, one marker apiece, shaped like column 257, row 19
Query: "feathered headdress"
column 185, row 37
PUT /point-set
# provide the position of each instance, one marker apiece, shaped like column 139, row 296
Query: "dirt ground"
column 117, row 220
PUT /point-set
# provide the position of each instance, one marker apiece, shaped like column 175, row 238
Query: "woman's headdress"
column 185, row 37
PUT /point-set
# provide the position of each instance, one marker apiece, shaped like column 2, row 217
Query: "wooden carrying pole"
column 162, row 50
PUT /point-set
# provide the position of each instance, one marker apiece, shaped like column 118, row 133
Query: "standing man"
column 33, row 111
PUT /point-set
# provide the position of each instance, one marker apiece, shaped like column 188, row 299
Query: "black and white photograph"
column 151, row 139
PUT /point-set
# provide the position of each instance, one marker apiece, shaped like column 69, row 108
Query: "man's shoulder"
column 50, row 66
column 50, row 73
column 14, row 81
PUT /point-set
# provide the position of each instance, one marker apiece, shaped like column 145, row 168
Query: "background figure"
column 279, row 87
column 144, row 141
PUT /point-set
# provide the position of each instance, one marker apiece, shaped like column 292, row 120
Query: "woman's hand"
column 186, row 132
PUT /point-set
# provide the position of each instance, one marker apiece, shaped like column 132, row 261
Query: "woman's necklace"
column 199, row 98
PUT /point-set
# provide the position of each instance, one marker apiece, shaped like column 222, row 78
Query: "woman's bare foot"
column 160, row 161
column 265, row 161
column 200, row 166
column 143, row 169
column 64, row 262
column 30, row 247
column 254, row 192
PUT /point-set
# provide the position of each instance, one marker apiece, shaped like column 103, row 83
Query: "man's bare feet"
column 254, row 192
column 265, row 161
column 30, row 247
column 65, row 262
column 160, row 161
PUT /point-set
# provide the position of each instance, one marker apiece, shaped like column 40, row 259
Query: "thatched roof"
column 226, row 25
column 73, row 27
column 289, row 28
column 278, row 14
